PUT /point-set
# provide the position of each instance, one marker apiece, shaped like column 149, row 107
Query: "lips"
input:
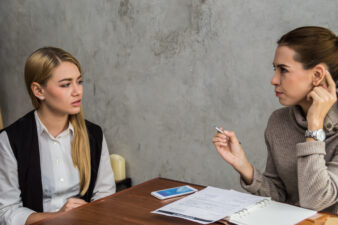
column 278, row 93
column 76, row 103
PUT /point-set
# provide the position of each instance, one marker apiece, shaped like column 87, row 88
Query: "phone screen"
column 175, row 191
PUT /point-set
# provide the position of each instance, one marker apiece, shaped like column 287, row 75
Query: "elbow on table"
column 318, row 202
column 315, row 207
column 319, row 196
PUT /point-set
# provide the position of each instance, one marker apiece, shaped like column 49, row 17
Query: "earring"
column 41, row 97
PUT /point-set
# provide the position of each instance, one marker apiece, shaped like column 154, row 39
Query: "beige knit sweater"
column 298, row 172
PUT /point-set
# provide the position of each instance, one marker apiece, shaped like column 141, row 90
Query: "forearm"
column 266, row 184
column 34, row 217
column 247, row 172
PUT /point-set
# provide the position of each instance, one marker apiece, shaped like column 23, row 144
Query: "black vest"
column 23, row 139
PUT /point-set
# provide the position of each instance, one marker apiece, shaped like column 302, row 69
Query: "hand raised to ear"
column 323, row 97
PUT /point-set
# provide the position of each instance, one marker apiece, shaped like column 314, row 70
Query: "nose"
column 275, row 79
column 77, row 89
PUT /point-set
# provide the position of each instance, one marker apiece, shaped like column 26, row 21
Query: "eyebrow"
column 70, row 79
column 279, row 65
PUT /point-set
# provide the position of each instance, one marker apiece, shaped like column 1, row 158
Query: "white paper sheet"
column 209, row 205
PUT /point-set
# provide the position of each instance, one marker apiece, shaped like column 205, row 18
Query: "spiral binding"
column 244, row 212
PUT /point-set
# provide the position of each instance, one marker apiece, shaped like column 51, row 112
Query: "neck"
column 305, row 105
column 54, row 122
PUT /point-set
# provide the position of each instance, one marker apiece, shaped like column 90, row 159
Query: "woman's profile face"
column 63, row 91
column 292, row 82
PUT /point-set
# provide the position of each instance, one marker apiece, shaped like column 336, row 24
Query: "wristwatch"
column 318, row 135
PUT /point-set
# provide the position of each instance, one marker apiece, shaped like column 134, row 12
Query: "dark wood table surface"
column 129, row 206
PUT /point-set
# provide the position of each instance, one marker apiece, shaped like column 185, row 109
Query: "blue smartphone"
column 173, row 192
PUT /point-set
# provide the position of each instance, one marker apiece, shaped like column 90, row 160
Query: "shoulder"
column 280, row 121
column 95, row 132
column 3, row 136
column 280, row 115
column 21, row 123
column 93, row 127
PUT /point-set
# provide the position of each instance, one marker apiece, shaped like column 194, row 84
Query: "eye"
column 80, row 82
column 65, row 85
column 283, row 70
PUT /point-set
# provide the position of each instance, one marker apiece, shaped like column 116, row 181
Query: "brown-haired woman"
column 301, row 138
column 51, row 159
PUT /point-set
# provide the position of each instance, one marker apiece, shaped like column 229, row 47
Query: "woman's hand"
column 72, row 203
column 323, row 99
column 231, row 151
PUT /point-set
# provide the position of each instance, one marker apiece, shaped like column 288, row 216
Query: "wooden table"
column 129, row 206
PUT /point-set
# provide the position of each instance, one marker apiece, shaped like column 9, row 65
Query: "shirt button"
column 329, row 126
column 61, row 179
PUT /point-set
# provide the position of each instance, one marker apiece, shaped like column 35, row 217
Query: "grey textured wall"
column 159, row 74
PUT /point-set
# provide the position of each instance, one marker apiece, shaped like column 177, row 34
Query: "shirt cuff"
column 256, row 182
column 310, row 148
column 18, row 216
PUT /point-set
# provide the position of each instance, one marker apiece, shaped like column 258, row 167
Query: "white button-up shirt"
column 60, row 179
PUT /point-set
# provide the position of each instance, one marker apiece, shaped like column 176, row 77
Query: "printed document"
column 209, row 205
column 212, row 204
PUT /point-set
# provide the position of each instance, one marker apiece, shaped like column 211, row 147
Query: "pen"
column 219, row 130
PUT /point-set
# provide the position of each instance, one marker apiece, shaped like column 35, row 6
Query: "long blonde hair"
column 1, row 123
column 39, row 68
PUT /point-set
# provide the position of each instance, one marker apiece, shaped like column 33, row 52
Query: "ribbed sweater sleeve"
column 317, row 180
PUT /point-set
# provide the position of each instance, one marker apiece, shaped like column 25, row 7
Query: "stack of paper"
column 212, row 204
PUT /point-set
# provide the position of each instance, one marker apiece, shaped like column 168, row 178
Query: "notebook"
column 213, row 204
column 271, row 212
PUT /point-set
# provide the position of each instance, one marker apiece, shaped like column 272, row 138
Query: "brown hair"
column 39, row 68
column 313, row 45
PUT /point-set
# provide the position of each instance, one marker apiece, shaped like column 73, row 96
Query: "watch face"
column 321, row 135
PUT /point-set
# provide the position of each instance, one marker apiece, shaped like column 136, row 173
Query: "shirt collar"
column 41, row 127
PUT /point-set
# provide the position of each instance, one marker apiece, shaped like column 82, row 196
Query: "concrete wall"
column 159, row 74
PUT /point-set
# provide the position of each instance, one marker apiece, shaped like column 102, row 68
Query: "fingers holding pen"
column 220, row 138
column 229, row 148
column 227, row 136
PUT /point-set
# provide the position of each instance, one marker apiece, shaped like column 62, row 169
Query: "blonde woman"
column 52, row 160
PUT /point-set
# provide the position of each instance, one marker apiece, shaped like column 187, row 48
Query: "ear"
column 37, row 90
column 318, row 75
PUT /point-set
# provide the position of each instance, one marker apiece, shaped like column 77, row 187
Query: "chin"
column 285, row 102
column 74, row 111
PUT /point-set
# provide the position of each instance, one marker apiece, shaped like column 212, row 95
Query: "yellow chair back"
column 119, row 167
